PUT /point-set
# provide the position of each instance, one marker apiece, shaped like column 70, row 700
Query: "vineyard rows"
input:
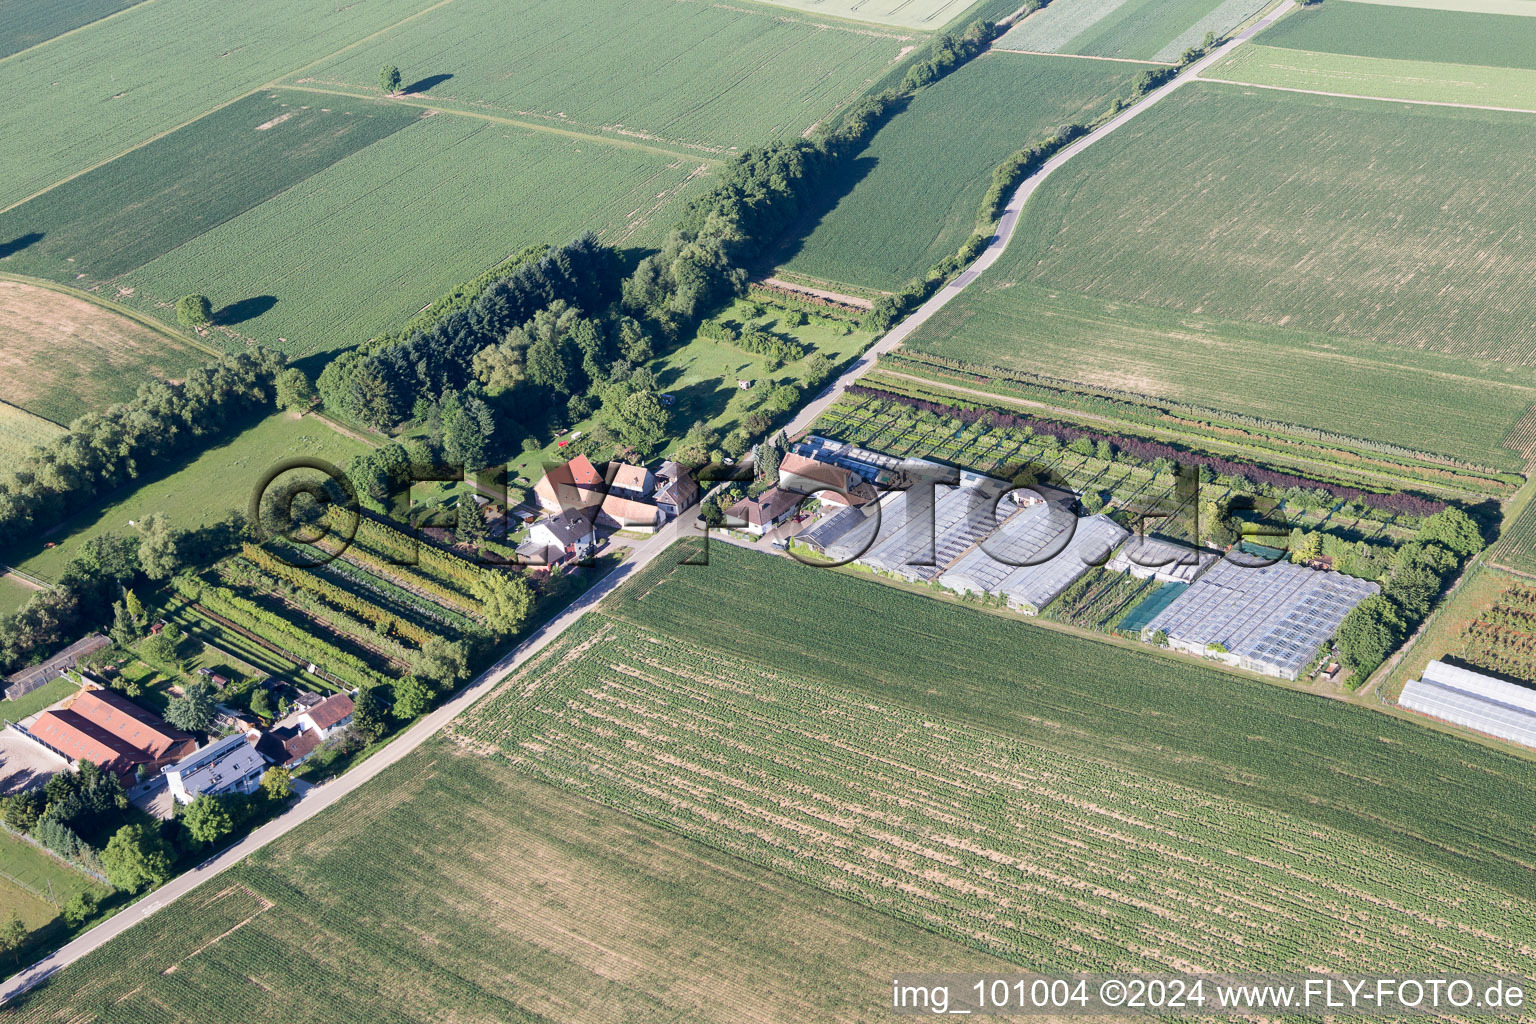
column 299, row 641
column 1502, row 638
column 1100, row 599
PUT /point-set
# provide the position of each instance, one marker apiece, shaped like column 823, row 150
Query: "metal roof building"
column 229, row 765
column 1036, row 555
column 1479, row 702
column 1271, row 619
column 1167, row 560
column 958, row 518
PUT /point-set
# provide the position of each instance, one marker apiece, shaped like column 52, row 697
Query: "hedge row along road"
column 318, row 798
column 1010, row 219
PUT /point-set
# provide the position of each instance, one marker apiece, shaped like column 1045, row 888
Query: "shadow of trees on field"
column 245, row 309
column 19, row 243
column 845, row 175
column 422, row 85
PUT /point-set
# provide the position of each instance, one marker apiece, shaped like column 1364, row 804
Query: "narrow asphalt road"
column 320, row 797
column 1010, row 219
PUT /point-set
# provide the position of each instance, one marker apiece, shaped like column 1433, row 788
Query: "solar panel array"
column 1271, row 619
column 1462, row 697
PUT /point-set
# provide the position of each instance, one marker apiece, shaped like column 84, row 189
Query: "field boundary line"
column 502, row 119
column 142, row 319
column 218, row 107
column 1084, row 56
column 1359, row 96
column 33, row 415
column 77, row 28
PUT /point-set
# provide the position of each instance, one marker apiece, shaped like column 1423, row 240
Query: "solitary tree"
column 368, row 713
column 277, row 783
column 389, row 79
column 193, row 711
column 207, row 819
column 412, row 697
column 134, row 857
column 193, row 311
column 12, row 934
column 160, row 551
column 294, row 391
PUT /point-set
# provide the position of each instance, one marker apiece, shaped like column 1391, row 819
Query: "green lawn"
column 911, row 197
column 50, row 692
column 1429, row 81
column 218, row 481
column 39, row 873
column 703, row 78
column 1154, row 263
column 13, row 594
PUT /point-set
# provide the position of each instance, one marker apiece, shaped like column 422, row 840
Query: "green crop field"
column 1134, row 29
column 21, row 431
column 219, row 480
column 64, row 353
column 144, row 204
column 1519, row 7
column 1155, row 263
column 911, row 196
column 923, row 14
column 454, row 888
column 702, row 76
column 1516, row 548
column 118, row 83
column 360, row 247
column 849, row 756
column 1409, row 33
column 25, row 23
column 642, row 795
column 1430, row 81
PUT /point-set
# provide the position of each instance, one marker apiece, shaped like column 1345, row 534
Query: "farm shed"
column 877, row 467
column 1270, row 619
column 1036, row 555
column 920, row 540
column 28, row 679
column 1475, row 700
column 110, row 731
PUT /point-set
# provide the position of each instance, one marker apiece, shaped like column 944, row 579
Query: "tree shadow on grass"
column 245, row 309
column 422, row 85
column 19, row 243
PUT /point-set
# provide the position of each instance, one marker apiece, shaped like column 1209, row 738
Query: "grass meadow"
column 911, row 196
column 116, row 84
column 1154, row 262
column 1380, row 77
column 218, row 481
column 455, row 887
column 1409, row 33
column 702, row 77
column 1157, row 30
column 24, row 24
